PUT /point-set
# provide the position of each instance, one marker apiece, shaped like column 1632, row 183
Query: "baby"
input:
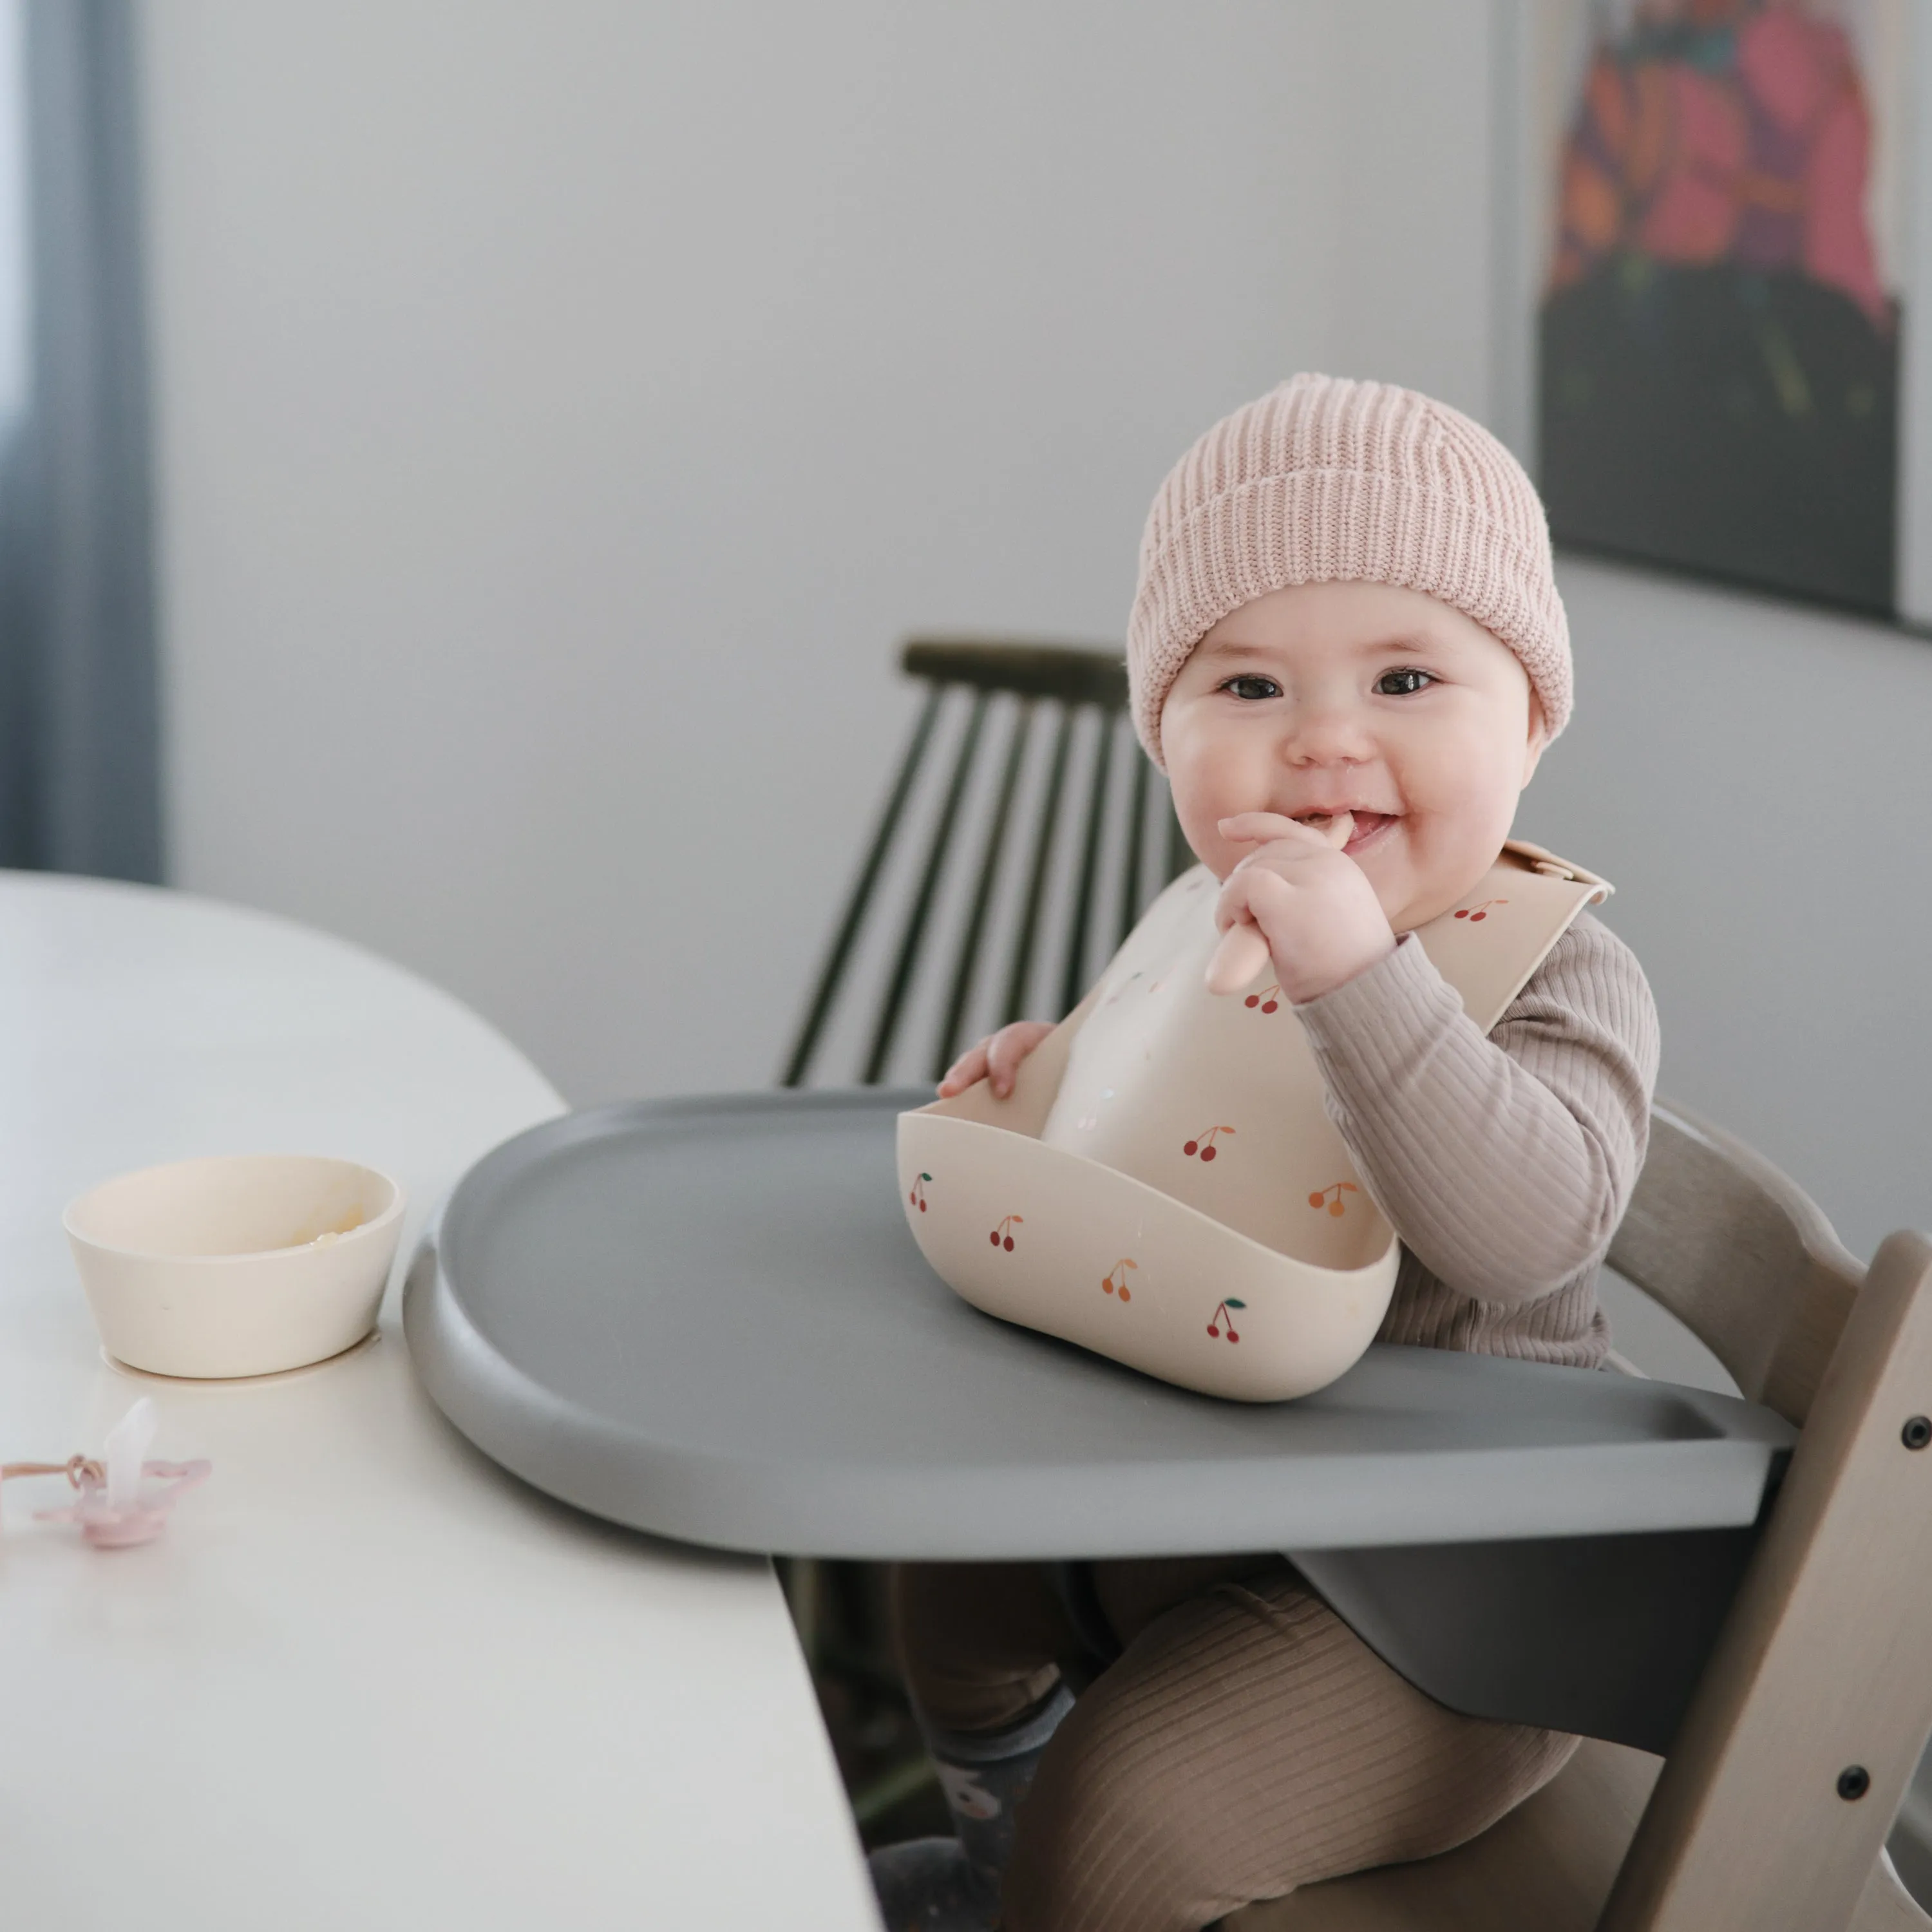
column 1347, row 653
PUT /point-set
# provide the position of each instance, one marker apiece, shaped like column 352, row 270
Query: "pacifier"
column 116, row 1505
column 1243, row 951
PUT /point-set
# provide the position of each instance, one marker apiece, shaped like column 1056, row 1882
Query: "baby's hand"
column 1314, row 905
column 997, row 1059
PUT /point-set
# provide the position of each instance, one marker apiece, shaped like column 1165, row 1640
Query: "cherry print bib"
column 1164, row 1185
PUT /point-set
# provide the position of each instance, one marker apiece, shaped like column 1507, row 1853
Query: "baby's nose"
column 1326, row 735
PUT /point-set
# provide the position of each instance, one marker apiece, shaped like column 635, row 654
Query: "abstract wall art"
column 1722, row 285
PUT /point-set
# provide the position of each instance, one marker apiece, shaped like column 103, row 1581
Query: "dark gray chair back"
column 1021, row 836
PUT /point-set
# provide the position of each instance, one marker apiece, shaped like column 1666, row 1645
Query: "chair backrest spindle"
column 1073, row 975
column 836, row 960
column 966, row 969
column 1179, row 857
column 1133, row 860
column 1019, row 970
column 922, row 898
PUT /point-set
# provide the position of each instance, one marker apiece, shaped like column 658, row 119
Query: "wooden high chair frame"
column 1825, row 1665
column 1770, row 1811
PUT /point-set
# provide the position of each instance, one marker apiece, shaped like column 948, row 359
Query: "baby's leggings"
column 1244, row 1741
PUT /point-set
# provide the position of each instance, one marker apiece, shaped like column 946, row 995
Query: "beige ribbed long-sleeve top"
column 1505, row 1162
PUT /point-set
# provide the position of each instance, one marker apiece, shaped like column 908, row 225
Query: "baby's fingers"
column 1248, row 893
column 1260, row 828
column 997, row 1059
column 1008, row 1047
column 970, row 1066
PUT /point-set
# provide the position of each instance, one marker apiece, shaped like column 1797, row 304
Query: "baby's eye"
column 1252, row 689
column 1403, row 683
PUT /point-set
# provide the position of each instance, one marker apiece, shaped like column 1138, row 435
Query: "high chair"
column 1769, row 1812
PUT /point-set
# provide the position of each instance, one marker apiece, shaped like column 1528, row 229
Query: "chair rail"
column 1072, row 673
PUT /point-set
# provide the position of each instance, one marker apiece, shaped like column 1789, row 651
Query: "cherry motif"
column 1268, row 999
column 917, row 1196
column 1119, row 1286
column 1336, row 1206
column 1221, row 1315
column 1204, row 1145
column 1000, row 1237
column 1476, row 914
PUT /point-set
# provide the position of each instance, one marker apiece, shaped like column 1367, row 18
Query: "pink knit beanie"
column 1324, row 480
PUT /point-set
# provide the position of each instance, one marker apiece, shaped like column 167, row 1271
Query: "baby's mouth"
column 1369, row 826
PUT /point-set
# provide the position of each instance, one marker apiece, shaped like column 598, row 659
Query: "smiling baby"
column 1347, row 653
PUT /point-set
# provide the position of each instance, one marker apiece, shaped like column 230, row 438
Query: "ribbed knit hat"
column 1324, row 480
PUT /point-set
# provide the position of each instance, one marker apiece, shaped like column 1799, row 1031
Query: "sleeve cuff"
column 1386, row 1017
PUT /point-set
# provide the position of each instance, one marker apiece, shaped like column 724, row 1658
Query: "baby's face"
column 1330, row 697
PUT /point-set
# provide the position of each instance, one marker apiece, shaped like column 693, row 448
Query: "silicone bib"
column 1164, row 1185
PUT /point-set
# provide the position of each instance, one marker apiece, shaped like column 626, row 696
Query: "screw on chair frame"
column 1052, row 686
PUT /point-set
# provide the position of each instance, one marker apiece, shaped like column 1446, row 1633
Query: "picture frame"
column 1713, row 221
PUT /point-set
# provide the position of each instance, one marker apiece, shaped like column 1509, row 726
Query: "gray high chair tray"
column 707, row 1319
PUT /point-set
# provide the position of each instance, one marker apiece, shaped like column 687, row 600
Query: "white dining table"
column 365, row 1679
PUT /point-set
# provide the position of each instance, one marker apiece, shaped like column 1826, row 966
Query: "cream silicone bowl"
column 240, row 1265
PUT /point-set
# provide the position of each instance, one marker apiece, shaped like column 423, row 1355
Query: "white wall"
column 1754, row 777
column 563, row 409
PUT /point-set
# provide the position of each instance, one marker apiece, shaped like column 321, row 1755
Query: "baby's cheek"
column 1446, row 863
column 1200, row 808
column 1464, row 795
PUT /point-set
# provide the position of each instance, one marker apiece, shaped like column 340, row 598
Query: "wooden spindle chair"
column 1038, row 737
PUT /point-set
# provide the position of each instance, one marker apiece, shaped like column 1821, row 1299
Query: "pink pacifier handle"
column 115, row 1505
column 1243, row 952
column 107, row 1527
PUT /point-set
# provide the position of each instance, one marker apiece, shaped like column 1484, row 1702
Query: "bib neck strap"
column 1488, row 946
